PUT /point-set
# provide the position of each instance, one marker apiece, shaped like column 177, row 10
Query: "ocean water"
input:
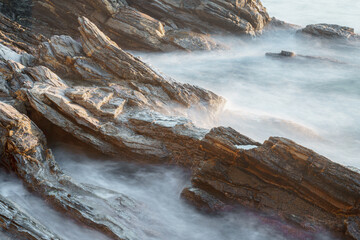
column 314, row 102
column 304, row 12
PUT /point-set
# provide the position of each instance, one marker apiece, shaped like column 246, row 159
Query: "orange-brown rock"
column 300, row 185
column 144, row 25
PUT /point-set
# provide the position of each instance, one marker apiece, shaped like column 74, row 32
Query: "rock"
column 19, row 224
column 302, row 186
column 276, row 24
column 282, row 54
column 19, row 11
column 192, row 41
column 141, row 31
column 293, row 55
column 123, row 66
column 142, row 25
column 208, row 16
column 121, row 115
column 202, row 200
column 353, row 227
column 330, row 31
column 26, row 154
column 120, row 106
column 58, row 53
column 19, row 38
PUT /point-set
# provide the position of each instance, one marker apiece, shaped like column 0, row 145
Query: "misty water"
column 314, row 102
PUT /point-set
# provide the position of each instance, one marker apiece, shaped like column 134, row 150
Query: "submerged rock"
column 293, row 55
column 282, row 54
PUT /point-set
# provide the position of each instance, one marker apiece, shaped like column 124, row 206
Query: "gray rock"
column 26, row 153
column 19, row 224
column 330, row 31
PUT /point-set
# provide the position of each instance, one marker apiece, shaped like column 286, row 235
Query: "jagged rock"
column 123, row 66
column 302, row 186
column 20, row 224
column 8, row 71
column 113, row 118
column 143, row 31
column 59, row 52
column 18, row 37
column 144, row 24
column 330, row 31
column 192, row 41
column 135, row 112
column 207, row 15
column 26, row 153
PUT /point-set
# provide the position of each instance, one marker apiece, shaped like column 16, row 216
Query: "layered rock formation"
column 15, row 222
column 148, row 25
column 330, row 31
column 24, row 151
column 302, row 186
column 113, row 102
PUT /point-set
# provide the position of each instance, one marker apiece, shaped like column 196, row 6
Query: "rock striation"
column 111, row 101
column 18, row 223
column 145, row 25
column 24, row 151
column 302, row 186
column 330, row 31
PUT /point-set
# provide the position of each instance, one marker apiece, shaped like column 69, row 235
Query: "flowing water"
column 315, row 102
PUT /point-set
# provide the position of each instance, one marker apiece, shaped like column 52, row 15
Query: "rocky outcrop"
column 145, row 25
column 20, row 225
column 302, row 186
column 25, row 152
column 17, row 37
column 207, row 15
column 112, row 101
column 330, row 31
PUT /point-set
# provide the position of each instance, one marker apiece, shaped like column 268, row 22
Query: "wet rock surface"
column 110, row 100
